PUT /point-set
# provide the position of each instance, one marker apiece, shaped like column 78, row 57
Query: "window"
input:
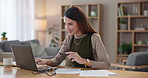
column 15, row 16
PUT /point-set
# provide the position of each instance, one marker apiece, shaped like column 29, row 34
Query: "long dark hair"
column 75, row 13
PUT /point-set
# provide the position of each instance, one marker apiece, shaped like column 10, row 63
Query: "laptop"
column 24, row 58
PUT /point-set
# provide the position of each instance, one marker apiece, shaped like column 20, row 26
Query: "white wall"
column 53, row 8
column 40, row 9
column 40, row 13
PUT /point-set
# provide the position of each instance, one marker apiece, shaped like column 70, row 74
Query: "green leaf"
column 123, row 20
column 125, row 48
column 4, row 34
column 120, row 49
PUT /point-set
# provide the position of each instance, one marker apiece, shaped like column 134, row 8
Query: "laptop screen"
column 24, row 57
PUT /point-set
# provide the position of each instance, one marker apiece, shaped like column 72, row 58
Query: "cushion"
column 28, row 42
column 6, row 45
column 52, row 51
column 38, row 50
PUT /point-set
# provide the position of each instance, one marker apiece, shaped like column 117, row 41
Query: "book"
column 121, row 10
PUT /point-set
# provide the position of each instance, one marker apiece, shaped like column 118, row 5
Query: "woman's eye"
column 70, row 24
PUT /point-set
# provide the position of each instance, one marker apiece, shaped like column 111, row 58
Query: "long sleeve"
column 100, row 54
column 61, row 54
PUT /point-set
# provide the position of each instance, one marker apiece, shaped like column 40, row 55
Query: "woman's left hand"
column 73, row 56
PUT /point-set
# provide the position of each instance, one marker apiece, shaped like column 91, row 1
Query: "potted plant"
column 123, row 24
column 3, row 36
column 54, row 39
column 125, row 48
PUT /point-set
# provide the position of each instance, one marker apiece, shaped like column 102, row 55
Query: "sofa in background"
column 6, row 52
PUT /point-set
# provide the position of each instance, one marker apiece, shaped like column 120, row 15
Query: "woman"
column 83, row 46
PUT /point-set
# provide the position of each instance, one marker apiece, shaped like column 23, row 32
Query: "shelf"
column 132, row 31
column 140, row 31
column 122, row 16
column 129, row 2
column 93, row 17
column 141, row 45
column 122, row 55
column 133, row 16
column 124, row 31
column 139, row 16
column 133, row 12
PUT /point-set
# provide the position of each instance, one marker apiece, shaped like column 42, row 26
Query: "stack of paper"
column 93, row 73
column 108, row 72
column 67, row 71
column 99, row 73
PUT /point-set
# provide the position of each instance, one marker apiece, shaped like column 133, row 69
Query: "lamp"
column 39, row 25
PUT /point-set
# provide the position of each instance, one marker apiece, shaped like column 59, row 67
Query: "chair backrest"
column 137, row 59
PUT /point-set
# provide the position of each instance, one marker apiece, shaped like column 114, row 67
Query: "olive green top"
column 83, row 47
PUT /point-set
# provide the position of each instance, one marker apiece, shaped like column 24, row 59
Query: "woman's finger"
column 68, row 52
column 72, row 60
column 41, row 63
column 70, row 56
column 37, row 60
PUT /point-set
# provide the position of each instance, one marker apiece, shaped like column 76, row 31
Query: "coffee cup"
column 7, row 62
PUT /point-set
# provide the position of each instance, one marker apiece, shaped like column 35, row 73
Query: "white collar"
column 80, row 36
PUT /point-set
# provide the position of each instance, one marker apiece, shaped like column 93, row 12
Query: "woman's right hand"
column 43, row 61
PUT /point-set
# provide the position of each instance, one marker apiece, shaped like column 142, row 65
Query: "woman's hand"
column 43, row 61
column 73, row 56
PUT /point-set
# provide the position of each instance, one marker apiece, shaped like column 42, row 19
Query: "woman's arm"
column 61, row 54
column 99, row 52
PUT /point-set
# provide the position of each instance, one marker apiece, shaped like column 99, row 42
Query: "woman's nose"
column 66, row 27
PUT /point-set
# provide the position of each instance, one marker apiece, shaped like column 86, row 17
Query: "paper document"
column 67, row 71
column 93, row 73
column 99, row 73
column 109, row 72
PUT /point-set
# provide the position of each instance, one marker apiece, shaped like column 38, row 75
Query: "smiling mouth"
column 70, row 31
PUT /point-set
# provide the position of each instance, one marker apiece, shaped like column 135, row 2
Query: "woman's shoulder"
column 96, row 39
column 95, row 36
column 68, row 37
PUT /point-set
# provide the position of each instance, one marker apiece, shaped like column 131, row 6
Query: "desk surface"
column 20, row 73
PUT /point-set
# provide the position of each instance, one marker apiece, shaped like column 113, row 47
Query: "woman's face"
column 72, row 27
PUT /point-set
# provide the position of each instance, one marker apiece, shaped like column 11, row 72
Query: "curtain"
column 15, row 17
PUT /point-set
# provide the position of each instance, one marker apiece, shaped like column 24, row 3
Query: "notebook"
column 24, row 58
